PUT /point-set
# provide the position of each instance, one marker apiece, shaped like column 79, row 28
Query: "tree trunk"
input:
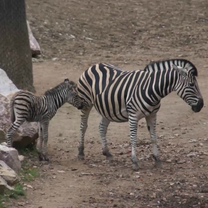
column 15, row 53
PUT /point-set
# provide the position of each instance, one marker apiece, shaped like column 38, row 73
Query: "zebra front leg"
column 11, row 130
column 83, row 127
column 151, row 125
column 103, row 130
column 133, row 121
column 44, row 131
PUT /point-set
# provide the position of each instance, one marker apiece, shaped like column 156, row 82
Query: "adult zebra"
column 26, row 106
column 122, row 96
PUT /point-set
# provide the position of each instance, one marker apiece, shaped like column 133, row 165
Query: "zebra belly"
column 111, row 112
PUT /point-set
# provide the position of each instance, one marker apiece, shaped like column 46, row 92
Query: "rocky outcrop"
column 6, row 85
column 10, row 156
column 4, row 185
column 4, row 114
column 34, row 46
column 9, row 175
column 26, row 135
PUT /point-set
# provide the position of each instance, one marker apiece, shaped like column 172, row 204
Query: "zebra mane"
column 60, row 87
column 178, row 62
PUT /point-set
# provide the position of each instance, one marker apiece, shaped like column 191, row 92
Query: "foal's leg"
column 17, row 123
column 40, row 143
column 44, row 131
column 83, row 127
column 151, row 125
column 103, row 130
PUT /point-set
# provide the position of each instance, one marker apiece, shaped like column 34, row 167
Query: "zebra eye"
column 191, row 84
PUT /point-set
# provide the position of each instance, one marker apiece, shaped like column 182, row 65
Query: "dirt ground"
column 76, row 34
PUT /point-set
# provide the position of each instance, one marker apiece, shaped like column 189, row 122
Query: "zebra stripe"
column 122, row 96
column 26, row 106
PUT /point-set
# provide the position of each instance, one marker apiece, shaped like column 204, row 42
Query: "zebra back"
column 96, row 79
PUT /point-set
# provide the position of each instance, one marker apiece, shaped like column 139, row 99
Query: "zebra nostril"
column 200, row 102
column 80, row 107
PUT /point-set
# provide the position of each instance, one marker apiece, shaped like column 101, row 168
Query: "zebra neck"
column 162, row 84
column 57, row 100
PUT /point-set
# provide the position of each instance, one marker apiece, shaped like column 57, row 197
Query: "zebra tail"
column 12, row 114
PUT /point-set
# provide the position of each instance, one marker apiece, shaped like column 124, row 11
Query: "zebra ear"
column 72, row 85
column 180, row 70
column 66, row 80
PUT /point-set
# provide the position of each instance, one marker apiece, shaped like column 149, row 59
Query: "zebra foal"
column 121, row 96
column 25, row 106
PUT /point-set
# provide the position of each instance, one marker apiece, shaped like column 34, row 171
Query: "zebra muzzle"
column 197, row 107
column 80, row 107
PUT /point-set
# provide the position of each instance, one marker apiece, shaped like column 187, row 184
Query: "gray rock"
column 10, row 157
column 27, row 134
column 34, row 46
column 9, row 175
column 4, row 185
column 6, row 84
column 4, row 114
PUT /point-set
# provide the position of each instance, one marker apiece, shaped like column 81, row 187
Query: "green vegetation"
column 16, row 193
column 29, row 152
column 27, row 173
column 11, row 194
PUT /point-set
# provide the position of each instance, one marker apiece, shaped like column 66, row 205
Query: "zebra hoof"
column 46, row 159
column 107, row 154
column 109, row 158
column 42, row 157
column 135, row 167
column 81, row 157
column 158, row 164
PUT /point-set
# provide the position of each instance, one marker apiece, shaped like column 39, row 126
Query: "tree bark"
column 15, row 53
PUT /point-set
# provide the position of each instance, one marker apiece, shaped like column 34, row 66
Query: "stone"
column 4, row 114
column 26, row 135
column 10, row 156
column 3, row 186
column 34, row 46
column 9, row 175
column 21, row 158
column 6, row 85
column 192, row 154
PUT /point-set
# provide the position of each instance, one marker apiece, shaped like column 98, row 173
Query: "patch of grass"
column 31, row 152
column 11, row 194
column 28, row 174
column 3, row 199
column 16, row 193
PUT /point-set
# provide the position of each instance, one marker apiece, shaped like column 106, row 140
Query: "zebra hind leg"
column 151, row 125
column 12, row 129
column 103, row 130
column 43, row 155
column 83, row 127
